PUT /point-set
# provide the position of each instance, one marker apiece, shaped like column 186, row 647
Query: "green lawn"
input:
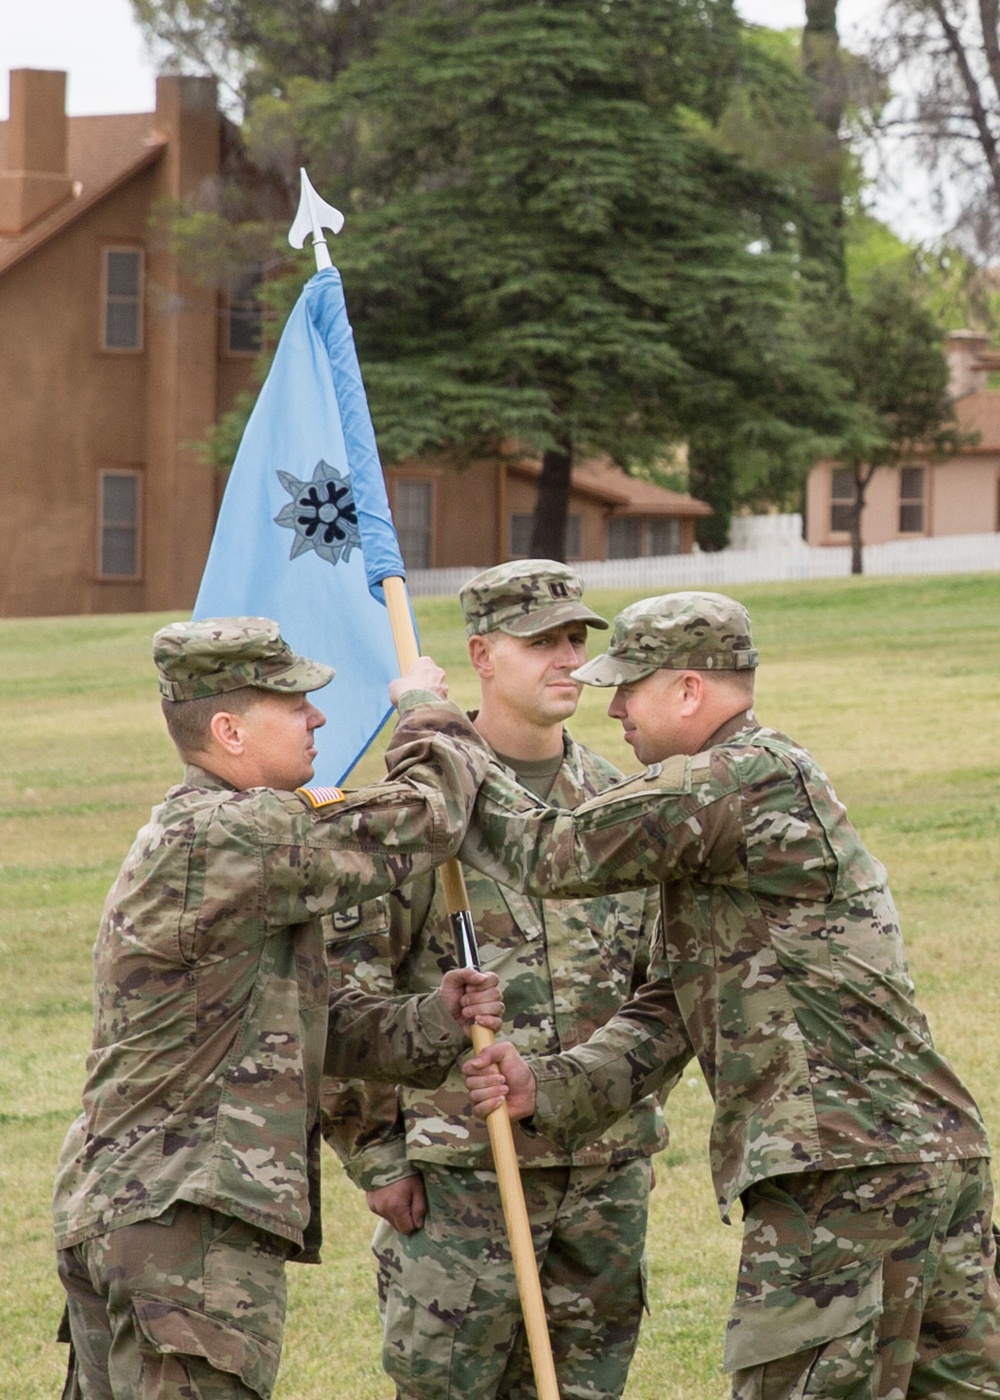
column 892, row 683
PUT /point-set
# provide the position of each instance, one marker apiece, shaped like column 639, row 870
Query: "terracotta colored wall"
column 466, row 520
column 69, row 408
column 182, row 347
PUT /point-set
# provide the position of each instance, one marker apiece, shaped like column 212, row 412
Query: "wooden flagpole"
column 312, row 216
column 498, row 1123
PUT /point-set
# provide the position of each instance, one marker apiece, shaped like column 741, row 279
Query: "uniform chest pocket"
column 502, row 927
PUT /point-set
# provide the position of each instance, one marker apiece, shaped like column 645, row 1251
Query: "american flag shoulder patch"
column 320, row 796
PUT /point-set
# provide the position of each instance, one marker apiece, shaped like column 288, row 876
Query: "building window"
column 414, row 513
column 122, row 299
column 624, row 537
column 520, row 536
column 843, row 494
column 911, row 500
column 118, row 524
column 663, row 536
column 633, row 537
column 244, row 317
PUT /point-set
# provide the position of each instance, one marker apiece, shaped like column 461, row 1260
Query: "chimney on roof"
column 34, row 178
column 966, row 372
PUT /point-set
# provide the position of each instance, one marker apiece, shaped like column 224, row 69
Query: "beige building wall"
column 966, row 496
column 962, row 498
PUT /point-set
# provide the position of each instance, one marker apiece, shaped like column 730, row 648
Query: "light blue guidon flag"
column 304, row 533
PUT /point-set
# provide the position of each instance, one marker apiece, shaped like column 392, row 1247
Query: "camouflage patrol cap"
column 216, row 654
column 525, row 597
column 675, row 632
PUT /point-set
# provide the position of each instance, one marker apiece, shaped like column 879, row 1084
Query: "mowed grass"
column 893, row 684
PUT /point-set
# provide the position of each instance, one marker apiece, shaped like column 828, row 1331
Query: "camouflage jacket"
column 565, row 967
column 780, row 964
column 211, row 1004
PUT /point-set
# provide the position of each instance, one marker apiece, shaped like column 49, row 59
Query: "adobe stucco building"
column 112, row 363
column 957, row 496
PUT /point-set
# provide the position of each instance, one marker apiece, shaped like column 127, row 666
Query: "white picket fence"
column 780, row 556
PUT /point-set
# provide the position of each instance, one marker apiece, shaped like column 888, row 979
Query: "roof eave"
column 50, row 225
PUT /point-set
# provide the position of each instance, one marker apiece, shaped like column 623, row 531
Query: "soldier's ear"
column 481, row 655
column 692, row 692
column 228, row 732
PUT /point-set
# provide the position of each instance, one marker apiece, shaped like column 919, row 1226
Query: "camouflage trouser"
column 448, row 1295
column 189, row 1306
column 873, row 1284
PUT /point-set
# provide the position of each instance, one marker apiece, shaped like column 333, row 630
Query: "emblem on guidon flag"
column 322, row 513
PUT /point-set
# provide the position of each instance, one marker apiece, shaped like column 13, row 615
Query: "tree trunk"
column 712, row 479
column 823, row 236
column 548, row 530
column 861, row 480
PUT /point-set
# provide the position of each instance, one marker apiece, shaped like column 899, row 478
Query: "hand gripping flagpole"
column 312, row 217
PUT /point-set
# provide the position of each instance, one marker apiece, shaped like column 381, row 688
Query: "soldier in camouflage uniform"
column 860, row 1160
column 193, row 1172
column 447, row 1289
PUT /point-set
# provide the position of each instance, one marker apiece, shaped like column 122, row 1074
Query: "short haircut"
column 188, row 721
column 737, row 683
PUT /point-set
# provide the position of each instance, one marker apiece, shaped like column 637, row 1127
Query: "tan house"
column 111, row 362
column 958, row 496
column 482, row 514
column 113, row 365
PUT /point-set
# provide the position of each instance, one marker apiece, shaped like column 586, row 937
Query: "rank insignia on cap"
column 320, row 796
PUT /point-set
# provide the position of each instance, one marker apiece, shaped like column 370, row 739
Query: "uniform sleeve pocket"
column 787, row 1321
column 357, row 946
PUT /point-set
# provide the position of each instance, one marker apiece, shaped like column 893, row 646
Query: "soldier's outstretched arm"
column 675, row 819
column 410, row 1040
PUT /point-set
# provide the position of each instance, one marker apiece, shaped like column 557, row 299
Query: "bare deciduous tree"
column 942, row 59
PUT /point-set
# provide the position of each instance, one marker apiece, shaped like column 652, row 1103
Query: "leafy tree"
column 550, row 244
column 256, row 47
column 887, row 348
column 572, row 229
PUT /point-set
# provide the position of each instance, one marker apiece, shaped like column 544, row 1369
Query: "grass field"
column 893, row 684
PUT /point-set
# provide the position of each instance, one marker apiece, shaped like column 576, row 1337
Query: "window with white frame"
column 122, row 319
column 119, row 507
column 414, row 516
column 843, row 494
column 912, row 485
